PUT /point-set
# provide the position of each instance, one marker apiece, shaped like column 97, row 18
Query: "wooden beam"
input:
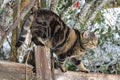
column 85, row 76
column 15, row 71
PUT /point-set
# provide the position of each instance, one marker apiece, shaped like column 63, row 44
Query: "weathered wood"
column 15, row 71
column 43, row 63
column 85, row 76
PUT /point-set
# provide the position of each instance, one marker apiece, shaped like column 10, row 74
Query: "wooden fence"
column 17, row 71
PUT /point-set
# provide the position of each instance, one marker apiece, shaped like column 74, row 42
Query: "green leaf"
column 91, row 51
column 119, row 33
column 70, row 66
column 102, row 30
column 116, row 28
column 109, row 29
column 97, row 29
column 1, row 11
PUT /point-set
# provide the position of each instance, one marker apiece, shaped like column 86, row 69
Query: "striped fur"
column 25, row 30
column 49, row 30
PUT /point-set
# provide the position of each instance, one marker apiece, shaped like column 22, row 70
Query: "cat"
column 48, row 29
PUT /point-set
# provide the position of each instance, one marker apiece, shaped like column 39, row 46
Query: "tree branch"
column 90, row 10
column 96, row 10
column 2, row 32
column 53, row 5
column 21, row 17
column 82, row 14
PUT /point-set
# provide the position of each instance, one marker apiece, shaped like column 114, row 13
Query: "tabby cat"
column 47, row 29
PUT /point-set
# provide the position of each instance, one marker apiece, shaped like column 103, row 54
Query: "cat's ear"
column 86, row 34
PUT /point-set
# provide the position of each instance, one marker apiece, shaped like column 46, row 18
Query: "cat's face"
column 89, row 39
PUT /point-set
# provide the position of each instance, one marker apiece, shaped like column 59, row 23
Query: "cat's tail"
column 25, row 30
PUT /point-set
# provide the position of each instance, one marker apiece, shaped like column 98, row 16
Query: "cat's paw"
column 86, row 70
column 64, row 70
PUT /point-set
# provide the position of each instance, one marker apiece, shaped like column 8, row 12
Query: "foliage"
column 70, row 66
column 68, row 13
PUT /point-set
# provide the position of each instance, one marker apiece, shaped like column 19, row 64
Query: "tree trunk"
column 17, row 10
column 21, row 17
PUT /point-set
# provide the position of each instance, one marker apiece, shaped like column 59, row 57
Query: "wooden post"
column 43, row 63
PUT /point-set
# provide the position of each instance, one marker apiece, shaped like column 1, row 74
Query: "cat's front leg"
column 83, row 68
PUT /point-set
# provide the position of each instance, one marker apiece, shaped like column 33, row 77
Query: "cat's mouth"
column 88, row 46
column 93, row 47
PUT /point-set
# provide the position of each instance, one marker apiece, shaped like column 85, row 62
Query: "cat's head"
column 88, row 39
